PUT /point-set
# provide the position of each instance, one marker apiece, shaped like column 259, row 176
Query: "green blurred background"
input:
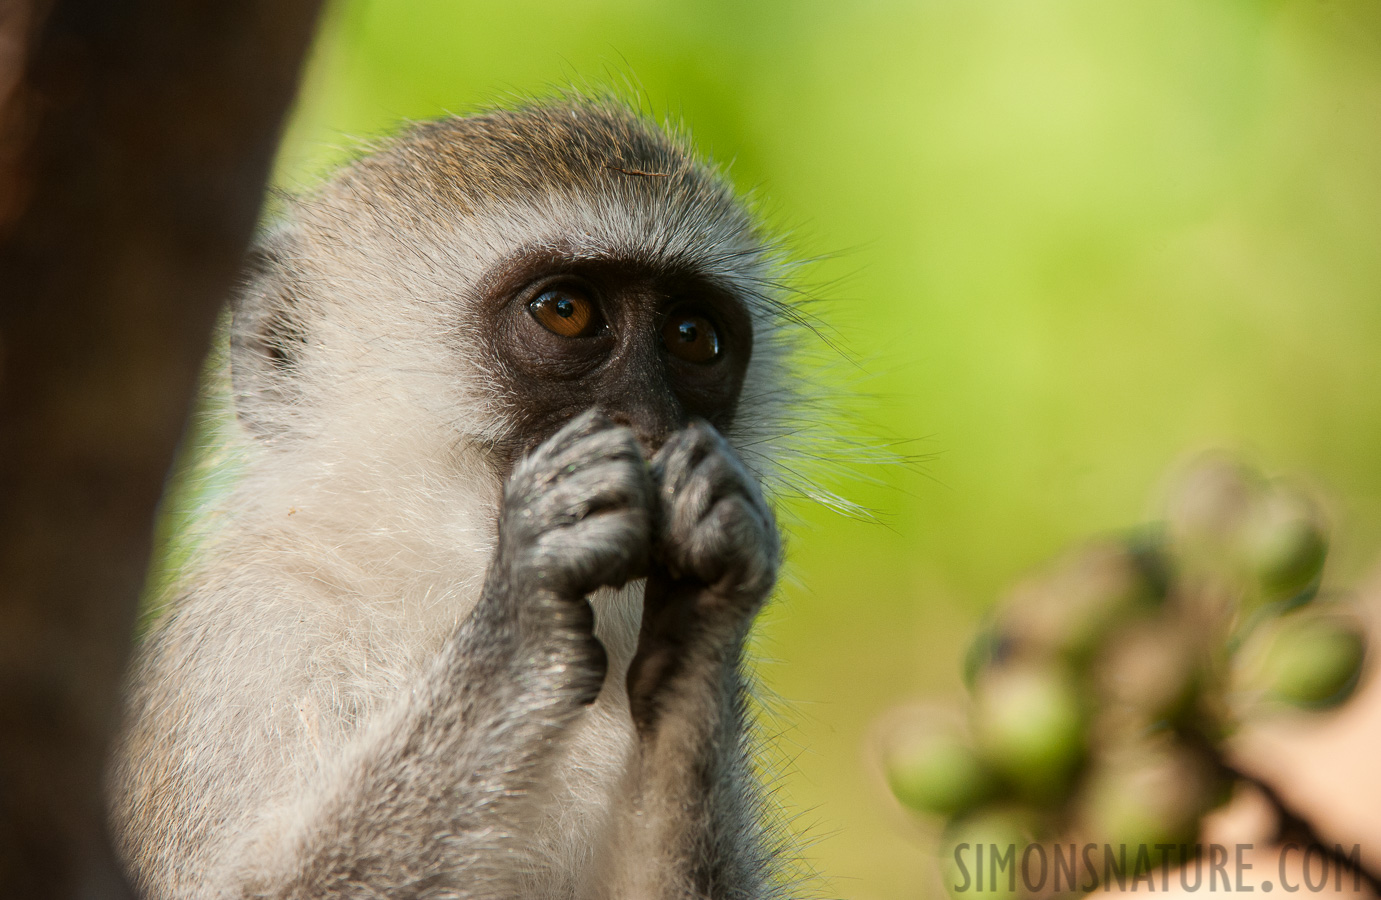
column 1065, row 242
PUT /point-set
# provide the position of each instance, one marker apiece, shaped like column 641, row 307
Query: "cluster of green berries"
column 1102, row 689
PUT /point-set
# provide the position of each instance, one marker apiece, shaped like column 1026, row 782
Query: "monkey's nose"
column 651, row 431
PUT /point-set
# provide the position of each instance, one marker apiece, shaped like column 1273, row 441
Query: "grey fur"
column 421, row 653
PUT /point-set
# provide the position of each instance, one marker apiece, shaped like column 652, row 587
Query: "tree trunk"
column 136, row 138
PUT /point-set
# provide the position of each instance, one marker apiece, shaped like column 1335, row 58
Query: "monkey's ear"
column 267, row 338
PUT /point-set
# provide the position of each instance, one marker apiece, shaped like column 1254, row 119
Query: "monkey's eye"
column 690, row 336
column 567, row 311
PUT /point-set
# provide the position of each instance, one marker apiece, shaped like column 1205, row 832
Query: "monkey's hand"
column 576, row 516
column 576, row 512
column 713, row 525
column 716, row 552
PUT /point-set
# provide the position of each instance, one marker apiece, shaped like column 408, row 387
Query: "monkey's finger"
column 579, row 450
column 613, row 443
column 675, row 462
column 685, row 452
column 609, row 548
column 591, row 421
column 717, row 475
column 610, row 484
column 712, row 479
column 734, row 552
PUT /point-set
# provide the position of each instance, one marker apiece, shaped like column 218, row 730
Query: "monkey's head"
column 476, row 282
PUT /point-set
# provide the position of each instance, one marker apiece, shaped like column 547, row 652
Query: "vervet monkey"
column 471, row 623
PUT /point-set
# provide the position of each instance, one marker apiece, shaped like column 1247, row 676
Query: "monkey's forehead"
column 448, row 201
column 593, row 149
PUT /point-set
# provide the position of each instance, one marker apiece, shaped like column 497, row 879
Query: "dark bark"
column 135, row 142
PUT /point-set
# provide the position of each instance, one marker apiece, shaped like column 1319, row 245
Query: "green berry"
column 1147, row 795
column 1030, row 726
column 1314, row 662
column 1284, row 544
column 982, row 854
column 936, row 771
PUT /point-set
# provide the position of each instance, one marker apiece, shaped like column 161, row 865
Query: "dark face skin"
column 651, row 347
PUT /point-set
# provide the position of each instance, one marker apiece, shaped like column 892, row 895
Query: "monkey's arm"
column 439, row 798
column 697, row 818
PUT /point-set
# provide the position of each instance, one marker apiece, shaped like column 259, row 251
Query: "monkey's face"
column 651, row 347
column 477, row 283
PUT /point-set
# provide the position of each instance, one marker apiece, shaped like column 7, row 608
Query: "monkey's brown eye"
column 566, row 311
column 690, row 336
